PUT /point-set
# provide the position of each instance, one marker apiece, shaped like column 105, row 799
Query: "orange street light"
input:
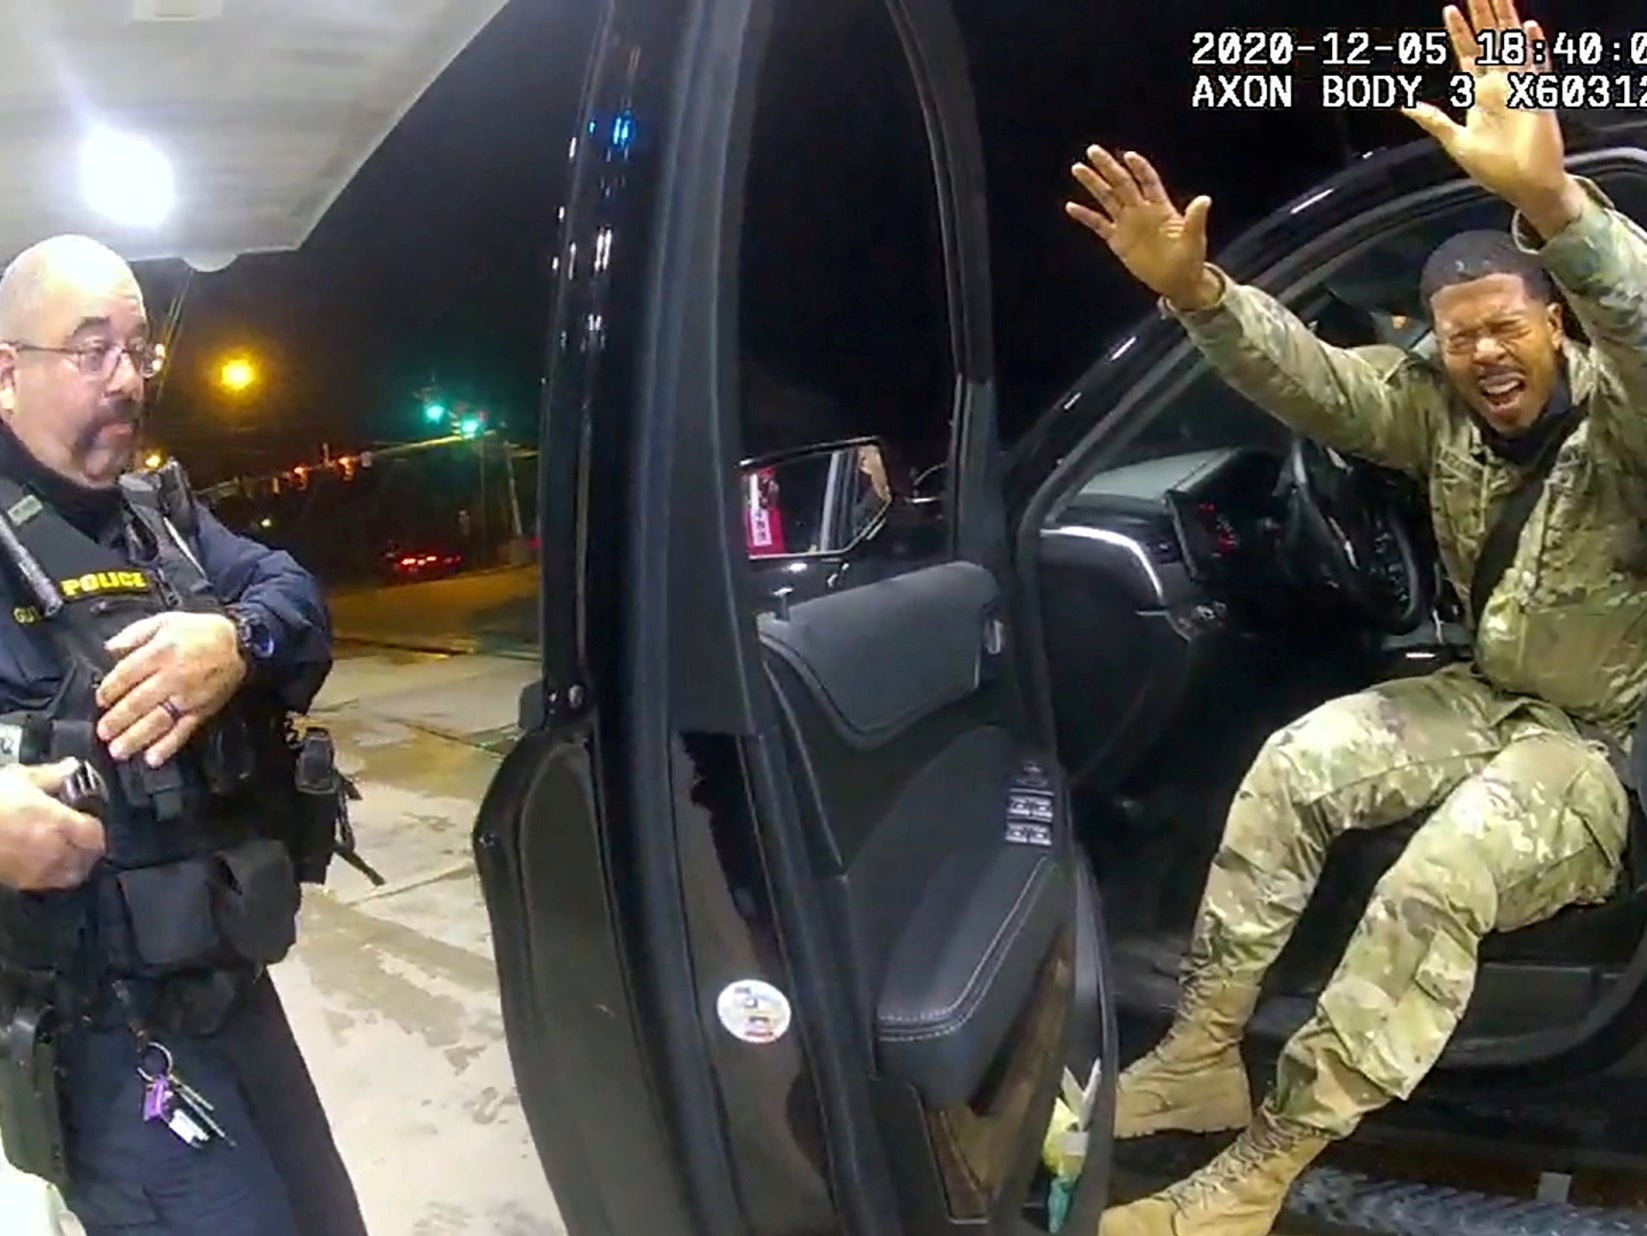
column 237, row 374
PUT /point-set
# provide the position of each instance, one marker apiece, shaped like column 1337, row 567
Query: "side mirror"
column 815, row 502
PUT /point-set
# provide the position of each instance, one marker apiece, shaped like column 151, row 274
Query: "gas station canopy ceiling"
column 205, row 129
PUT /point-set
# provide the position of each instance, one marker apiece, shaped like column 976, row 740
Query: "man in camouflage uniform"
column 1525, row 814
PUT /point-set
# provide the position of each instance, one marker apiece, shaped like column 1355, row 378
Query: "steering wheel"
column 1360, row 539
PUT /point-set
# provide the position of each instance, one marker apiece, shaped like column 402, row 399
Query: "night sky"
column 436, row 260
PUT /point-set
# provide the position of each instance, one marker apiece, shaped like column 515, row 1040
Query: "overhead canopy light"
column 209, row 263
column 126, row 179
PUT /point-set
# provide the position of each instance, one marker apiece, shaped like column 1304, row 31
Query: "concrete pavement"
column 487, row 611
column 392, row 991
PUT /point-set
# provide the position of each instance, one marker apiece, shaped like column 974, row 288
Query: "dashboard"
column 1167, row 605
column 1220, row 516
column 1230, row 524
column 1178, row 616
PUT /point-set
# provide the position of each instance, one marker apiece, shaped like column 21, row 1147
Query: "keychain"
column 169, row 1100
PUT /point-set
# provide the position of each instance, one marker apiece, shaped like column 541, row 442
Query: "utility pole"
column 169, row 331
column 514, row 495
column 480, row 453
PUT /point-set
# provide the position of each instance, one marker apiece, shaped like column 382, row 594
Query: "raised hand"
column 1514, row 152
column 1164, row 248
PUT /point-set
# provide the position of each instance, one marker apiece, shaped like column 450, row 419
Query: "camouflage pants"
column 1525, row 818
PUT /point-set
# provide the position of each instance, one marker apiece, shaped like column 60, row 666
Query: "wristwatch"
column 252, row 635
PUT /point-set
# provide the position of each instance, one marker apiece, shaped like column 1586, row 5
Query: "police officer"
column 150, row 848
column 1514, row 758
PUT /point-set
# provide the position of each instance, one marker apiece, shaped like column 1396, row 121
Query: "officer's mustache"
column 126, row 412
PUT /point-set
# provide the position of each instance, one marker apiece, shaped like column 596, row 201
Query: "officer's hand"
column 43, row 844
column 176, row 670
column 1164, row 248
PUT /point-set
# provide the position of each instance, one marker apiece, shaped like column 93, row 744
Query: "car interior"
column 1187, row 615
column 1188, row 606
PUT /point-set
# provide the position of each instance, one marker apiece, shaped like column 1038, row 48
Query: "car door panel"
column 889, row 696
column 906, row 723
column 563, row 984
column 928, row 654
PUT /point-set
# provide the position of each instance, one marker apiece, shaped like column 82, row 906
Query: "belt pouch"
column 168, row 918
column 256, row 896
column 31, row 1106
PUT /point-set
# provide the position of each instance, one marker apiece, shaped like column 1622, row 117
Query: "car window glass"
column 843, row 325
column 1203, row 414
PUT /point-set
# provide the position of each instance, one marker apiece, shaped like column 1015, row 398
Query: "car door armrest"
column 965, row 966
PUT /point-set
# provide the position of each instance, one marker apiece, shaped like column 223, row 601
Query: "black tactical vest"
column 197, row 874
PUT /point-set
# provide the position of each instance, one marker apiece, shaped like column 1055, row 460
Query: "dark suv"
column 805, row 903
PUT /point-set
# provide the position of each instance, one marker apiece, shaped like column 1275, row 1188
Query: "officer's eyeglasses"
column 101, row 358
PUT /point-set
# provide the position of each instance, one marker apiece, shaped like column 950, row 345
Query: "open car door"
column 785, row 903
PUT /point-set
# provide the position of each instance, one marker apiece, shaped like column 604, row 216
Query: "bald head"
column 72, row 324
column 62, row 268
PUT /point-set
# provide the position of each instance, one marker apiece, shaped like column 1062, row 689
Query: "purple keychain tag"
column 157, row 1099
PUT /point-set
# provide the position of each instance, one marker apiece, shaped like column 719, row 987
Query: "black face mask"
column 1526, row 447
column 93, row 511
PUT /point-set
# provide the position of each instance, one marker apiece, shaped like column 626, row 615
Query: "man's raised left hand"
column 1514, row 152
column 176, row 671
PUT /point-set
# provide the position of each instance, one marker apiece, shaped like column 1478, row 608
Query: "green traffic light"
column 469, row 426
column 434, row 411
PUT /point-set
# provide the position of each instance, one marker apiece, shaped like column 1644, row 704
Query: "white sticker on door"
column 754, row 1011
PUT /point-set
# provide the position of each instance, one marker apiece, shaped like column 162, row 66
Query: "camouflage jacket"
column 1568, row 621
